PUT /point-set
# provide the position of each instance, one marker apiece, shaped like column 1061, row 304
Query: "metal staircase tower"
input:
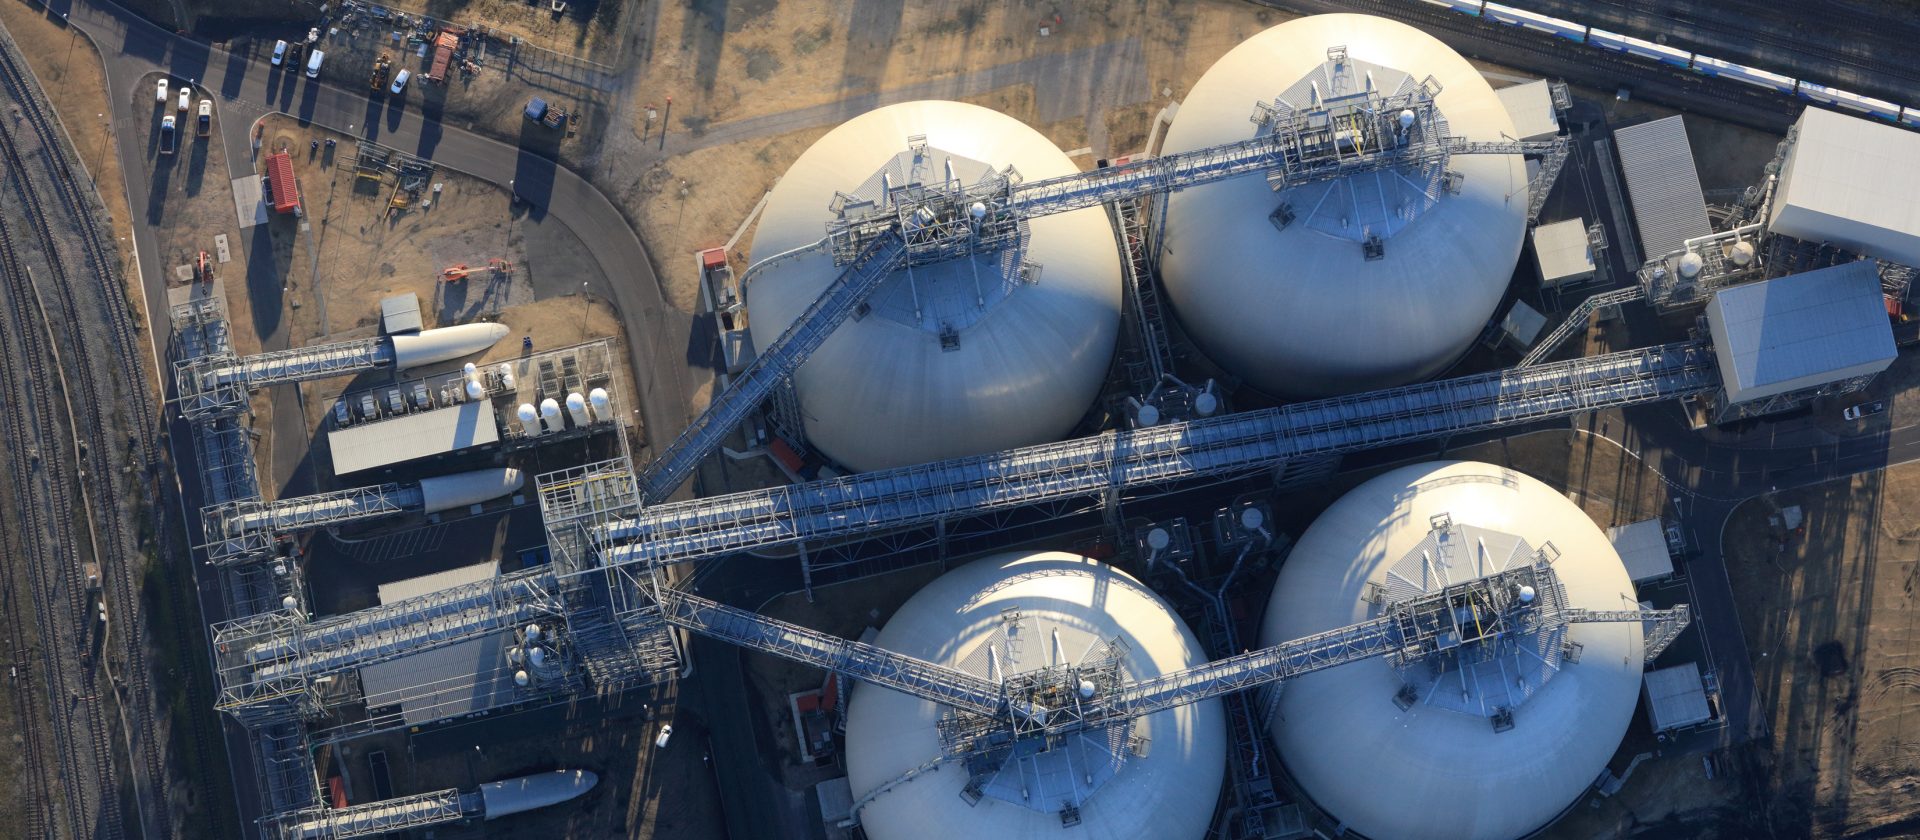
column 1577, row 320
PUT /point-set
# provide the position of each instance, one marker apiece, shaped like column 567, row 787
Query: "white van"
column 313, row 64
column 400, row 81
column 279, row 52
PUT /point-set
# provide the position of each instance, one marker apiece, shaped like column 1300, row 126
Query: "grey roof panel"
column 1676, row 697
column 1799, row 331
column 1643, row 548
column 1663, row 185
column 444, row 682
column 388, row 442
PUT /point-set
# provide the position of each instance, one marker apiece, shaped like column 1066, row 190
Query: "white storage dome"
column 1440, row 767
column 1005, row 349
column 1302, row 310
column 1167, row 794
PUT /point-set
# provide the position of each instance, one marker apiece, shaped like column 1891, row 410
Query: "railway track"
column 110, row 433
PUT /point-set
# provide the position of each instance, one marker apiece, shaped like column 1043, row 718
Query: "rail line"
column 96, row 298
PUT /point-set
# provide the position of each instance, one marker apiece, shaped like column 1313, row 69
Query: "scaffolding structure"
column 243, row 531
column 609, row 550
column 212, row 381
column 376, row 818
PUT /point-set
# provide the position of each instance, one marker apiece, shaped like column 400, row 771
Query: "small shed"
column 1563, row 252
column 1522, row 325
column 1676, row 698
column 1642, row 547
column 1531, row 107
column 400, row 314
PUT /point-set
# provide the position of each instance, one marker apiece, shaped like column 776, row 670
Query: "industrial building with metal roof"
column 412, row 436
column 1789, row 333
column 1851, row 182
column 1663, row 184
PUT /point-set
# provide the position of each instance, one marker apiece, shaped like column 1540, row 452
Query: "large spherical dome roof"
column 1035, row 325
column 1437, row 768
column 1167, row 794
column 1301, row 310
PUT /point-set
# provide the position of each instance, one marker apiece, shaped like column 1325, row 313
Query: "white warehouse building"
column 1277, row 287
column 1012, row 614
column 1489, row 741
column 1002, row 349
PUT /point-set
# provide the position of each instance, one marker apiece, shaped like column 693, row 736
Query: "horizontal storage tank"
column 453, row 492
column 444, row 344
column 961, row 357
column 539, row 790
column 1419, row 752
column 1293, row 302
column 1012, row 614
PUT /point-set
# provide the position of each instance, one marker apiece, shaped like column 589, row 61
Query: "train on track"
column 1674, row 57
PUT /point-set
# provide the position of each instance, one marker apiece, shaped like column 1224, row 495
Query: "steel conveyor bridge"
column 267, row 657
column 216, row 384
column 244, row 530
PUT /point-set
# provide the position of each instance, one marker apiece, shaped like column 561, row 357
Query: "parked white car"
column 279, row 52
column 161, row 96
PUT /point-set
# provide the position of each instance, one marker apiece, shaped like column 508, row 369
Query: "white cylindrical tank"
column 602, row 404
column 513, row 796
column 1343, row 735
column 1742, row 253
column 577, row 409
column 957, row 620
column 1030, row 356
column 1690, row 264
column 529, row 419
column 444, row 344
column 453, row 492
column 521, row 679
column 550, row 412
column 1302, row 311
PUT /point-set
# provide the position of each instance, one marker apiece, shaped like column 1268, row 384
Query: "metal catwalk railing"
column 375, row 818
column 868, row 663
column 1130, row 228
column 212, row 381
column 240, row 530
column 823, row 510
column 773, row 365
column 264, row 660
column 1663, row 626
column 1577, row 320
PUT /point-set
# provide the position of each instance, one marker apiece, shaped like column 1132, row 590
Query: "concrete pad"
column 249, row 205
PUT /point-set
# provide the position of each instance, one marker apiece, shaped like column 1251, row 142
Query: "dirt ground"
column 1829, row 616
column 729, row 66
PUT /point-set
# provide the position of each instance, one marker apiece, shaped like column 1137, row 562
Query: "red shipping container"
column 286, row 192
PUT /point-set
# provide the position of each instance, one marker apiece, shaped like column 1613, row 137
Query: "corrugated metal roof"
column 413, row 436
column 400, row 314
column 414, row 587
column 1531, row 107
column 1676, row 697
column 444, row 682
column 1562, row 250
column 1796, row 332
column 1642, row 546
column 1852, row 182
column 286, row 191
column 1662, row 184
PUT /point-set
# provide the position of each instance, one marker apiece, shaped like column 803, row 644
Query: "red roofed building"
column 286, row 191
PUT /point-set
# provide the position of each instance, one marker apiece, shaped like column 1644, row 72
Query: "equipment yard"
column 852, row 420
